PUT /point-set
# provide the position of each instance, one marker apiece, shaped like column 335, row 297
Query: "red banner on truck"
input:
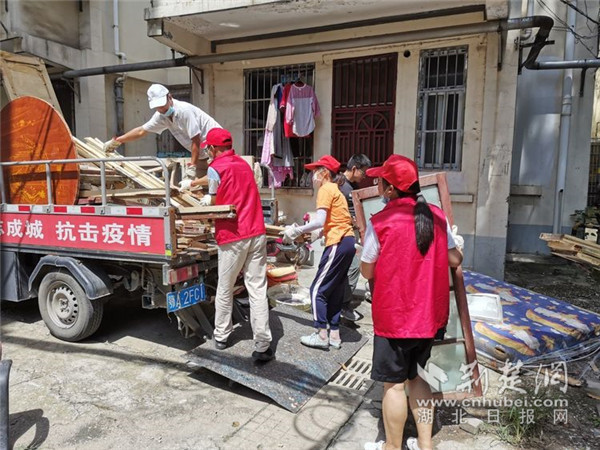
column 99, row 233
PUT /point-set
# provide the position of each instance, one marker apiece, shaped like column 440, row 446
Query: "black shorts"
column 395, row 360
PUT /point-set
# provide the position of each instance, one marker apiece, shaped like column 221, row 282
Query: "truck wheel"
column 66, row 310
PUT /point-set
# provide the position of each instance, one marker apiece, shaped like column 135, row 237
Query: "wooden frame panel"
column 438, row 182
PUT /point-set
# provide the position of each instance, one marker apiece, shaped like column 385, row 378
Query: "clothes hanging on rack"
column 301, row 109
column 277, row 152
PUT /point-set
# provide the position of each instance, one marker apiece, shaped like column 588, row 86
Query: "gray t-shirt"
column 346, row 189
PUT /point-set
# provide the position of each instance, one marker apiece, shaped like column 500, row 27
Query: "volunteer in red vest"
column 242, row 242
column 328, row 288
column 407, row 250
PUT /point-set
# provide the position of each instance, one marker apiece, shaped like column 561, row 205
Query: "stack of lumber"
column 92, row 148
column 129, row 182
column 574, row 249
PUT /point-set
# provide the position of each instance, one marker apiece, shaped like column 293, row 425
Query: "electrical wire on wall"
column 562, row 25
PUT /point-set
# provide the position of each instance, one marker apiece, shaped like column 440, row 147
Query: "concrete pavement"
column 128, row 387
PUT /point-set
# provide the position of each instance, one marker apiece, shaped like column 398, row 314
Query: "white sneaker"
column 412, row 443
column 374, row 445
column 315, row 341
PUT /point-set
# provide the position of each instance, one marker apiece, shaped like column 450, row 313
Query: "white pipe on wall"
column 565, row 121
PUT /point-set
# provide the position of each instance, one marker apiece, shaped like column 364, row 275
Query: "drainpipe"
column 565, row 122
column 527, row 32
column 118, row 86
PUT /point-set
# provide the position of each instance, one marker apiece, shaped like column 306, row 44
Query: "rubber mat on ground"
column 297, row 372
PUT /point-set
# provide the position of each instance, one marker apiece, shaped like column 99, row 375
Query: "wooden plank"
column 27, row 76
column 185, row 211
column 211, row 216
column 125, row 193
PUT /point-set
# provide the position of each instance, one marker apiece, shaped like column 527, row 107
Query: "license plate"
column 185, row 297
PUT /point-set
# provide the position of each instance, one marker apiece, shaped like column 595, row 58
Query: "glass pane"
column 453, row 329
column 432, row 195
column 448, row 358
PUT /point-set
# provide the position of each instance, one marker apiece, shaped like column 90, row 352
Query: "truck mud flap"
column 297, row 372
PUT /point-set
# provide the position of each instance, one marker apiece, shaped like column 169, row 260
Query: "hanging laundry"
column 277, row 152
column 301, row 109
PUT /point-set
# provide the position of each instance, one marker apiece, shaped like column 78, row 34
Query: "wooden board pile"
column 573, row 249
column 128, row 183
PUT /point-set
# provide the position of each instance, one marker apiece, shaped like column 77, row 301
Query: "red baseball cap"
column 400, row 171
column 326, row 161
column 219, row 137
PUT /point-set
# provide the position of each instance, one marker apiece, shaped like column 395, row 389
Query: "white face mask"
column 317, row 179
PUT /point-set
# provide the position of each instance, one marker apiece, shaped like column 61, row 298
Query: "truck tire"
column 66, row 310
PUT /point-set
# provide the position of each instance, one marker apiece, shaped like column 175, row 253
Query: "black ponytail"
column 423, row 216
column 423, row 224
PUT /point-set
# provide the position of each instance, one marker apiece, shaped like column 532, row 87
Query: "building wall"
column 64, row 36
column 536, row 146
column 480, row 188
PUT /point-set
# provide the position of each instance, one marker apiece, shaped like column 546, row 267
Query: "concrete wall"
column 482, row 184
column 536, row 145
column 62, row 35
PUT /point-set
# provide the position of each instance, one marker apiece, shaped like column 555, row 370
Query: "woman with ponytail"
column 329, row 286
column 408, row 248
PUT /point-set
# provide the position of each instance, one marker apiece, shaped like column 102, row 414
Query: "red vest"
column 411, row 292
column 237, row 188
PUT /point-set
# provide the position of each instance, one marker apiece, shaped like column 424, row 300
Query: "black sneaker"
column 267, row 355
column 220, row 345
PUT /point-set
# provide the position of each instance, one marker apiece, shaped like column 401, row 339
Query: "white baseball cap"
column 157, row 96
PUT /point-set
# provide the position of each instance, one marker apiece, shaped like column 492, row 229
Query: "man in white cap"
column 188, row 124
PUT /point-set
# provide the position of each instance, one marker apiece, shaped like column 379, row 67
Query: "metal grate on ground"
column 355, row 375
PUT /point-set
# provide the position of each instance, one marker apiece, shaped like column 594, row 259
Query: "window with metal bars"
column 440, row 115
column 257, row 91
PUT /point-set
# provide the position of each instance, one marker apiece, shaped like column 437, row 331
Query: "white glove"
column 206, row 200
column 190, row 171
column 359, row 249
column 290, row 233
column 110, row 146
column 458, row 239
column 185, row 185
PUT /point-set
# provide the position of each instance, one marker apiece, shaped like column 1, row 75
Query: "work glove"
column 110, row 146
column 206, row 200
column 186, row 185
column 458, row 239
column 190, row 172
column 290, row 233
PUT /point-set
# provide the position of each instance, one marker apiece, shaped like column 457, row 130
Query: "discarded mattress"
column 535, row 328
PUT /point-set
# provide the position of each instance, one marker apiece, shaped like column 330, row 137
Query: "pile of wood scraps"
column 573, row 249
column 136, row 175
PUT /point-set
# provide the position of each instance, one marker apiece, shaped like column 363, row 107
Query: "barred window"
column 257, row 92
column 440, row 116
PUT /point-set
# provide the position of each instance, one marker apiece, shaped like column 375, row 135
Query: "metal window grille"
column 257, row 92
column 364, row 94
column 594, row 182
column 440, row 117
column 168, row 146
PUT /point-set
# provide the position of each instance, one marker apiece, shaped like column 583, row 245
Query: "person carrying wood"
column 188, row 124
column 242, row 242
column 408, row 247
column 327, row 289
